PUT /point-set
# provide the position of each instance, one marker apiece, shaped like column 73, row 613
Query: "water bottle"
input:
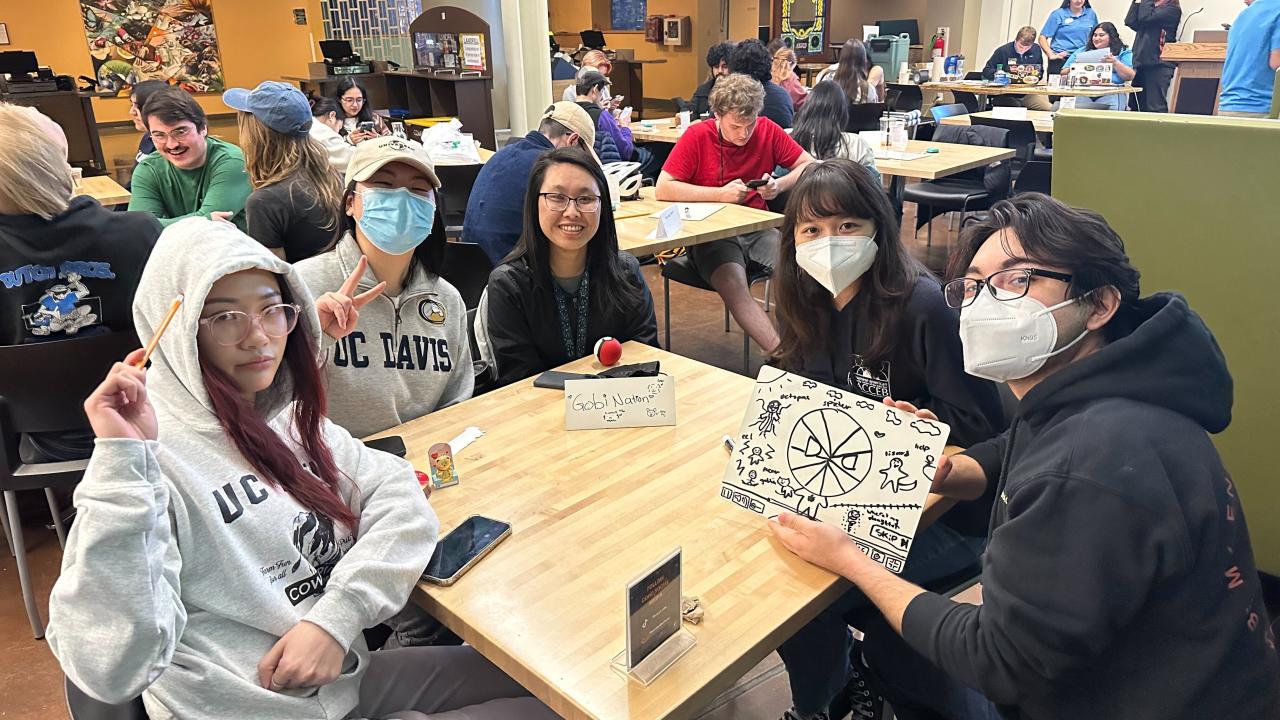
column 884, row 129
column 1001, row 77
column 960, row 67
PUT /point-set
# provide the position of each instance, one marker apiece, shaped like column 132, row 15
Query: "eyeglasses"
column 353, row 100
column 560, row 203
column 177, row 134
column 1014, row 282
column 232, row 326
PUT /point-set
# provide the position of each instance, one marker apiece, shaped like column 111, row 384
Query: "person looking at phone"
column 712, row 162
column 325, row 129
column 232, row 543
column 359, row 121
column 1118, row 581
column 856, row 311
column 566, row 284
column 190, row 173
column 613, row 135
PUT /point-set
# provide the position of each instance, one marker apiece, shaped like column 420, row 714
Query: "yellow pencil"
column 155, row 339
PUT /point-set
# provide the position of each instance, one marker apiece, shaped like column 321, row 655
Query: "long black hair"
column 819, row 126
column 612, row 288
column 1067, row 4
column 1113, row 36
column 429, row 255
column 830, row 189
column 345, row 84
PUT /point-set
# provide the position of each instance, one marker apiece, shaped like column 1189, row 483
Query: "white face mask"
column 1009, row 339
column 835, row 262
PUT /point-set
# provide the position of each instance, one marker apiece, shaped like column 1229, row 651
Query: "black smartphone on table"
column 463, row 547
column 393, row 444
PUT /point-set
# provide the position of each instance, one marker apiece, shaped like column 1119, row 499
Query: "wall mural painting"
column 170, row 40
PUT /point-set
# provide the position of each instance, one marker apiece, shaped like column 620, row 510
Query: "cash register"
column 340, row 59
column 21, row 73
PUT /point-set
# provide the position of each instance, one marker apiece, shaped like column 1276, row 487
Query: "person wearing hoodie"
column 857, row 312
column 1154, row 22
column 1118, row 580
column 566, row 284
column 611, row 140
column 231, row 542
column 410, row 353
column 68, row 266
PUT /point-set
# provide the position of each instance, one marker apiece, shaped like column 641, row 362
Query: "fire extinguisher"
column 938, row 43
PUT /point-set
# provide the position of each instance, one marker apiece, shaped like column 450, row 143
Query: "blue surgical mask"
column 396, row 220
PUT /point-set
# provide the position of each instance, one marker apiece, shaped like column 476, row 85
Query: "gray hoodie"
column 184, row 567
column 410, row 355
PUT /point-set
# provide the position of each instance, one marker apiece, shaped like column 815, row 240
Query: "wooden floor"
column 31, row 683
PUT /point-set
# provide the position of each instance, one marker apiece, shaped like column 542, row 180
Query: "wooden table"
column 1041, row 119
column 589, row 511
column 950, row 159
column 664, row 130
column 1197, row 76
column 103, row 189
column 634, row 224
column 979, row 88
column 811, row 71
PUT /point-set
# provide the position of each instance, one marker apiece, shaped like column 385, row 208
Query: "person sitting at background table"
column 856, row 311
column 138, row 96
column 1067, row 30
column 68, row 266
column 861, row 81
column 217, row 462
column 1022, row 51
column 1106, row 47
column 1119, row 580
column 784, row 76
column 613, row 142
column 325, row 127
column 566, row 284
column 1154, row 23
column 750, row 58
column 190, row 173
column 293, row 210
column 495, row 214
column 1253, row 56
column 598, row 61
column 718, row 61
column 820, row 124
column 354, row 100
column 712, row 162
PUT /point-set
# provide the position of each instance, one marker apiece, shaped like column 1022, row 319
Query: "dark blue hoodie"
column 1118, row 581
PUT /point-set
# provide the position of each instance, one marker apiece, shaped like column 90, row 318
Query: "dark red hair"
column 316, row 490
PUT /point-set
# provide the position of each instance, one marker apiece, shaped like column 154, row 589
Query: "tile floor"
column 31, row 683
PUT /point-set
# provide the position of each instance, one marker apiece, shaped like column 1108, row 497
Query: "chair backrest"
column 80, row 706
column 995, row 176
column 945, row 111
column 865, row 116
column 43, row 386
column 909, row 97
column 1022, row 133
column 682, row 104
column 455, row 189
column 1036, row 176
column 467, row 268
column 480, row 335
column 968, row 99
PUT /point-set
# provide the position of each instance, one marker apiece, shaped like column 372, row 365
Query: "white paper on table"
column 835, row 456
column 882, row 154
column 465, row 438
column 669, row 223
column 1009, row 113
column 1067, row 103
column 693, row 211
column 601, row 403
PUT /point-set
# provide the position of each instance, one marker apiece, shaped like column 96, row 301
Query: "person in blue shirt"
column 495, row 208
column 1253, row 56
column 1066, row 31
column 1105, row 47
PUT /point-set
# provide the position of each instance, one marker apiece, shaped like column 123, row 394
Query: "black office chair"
column 681, row 270
column 909, row 97
column 1036, row 176
column 945, row 111
column 455, row 189
column 682, row 104
column 865, row 116
column 1022, row 138
column 466, row 267
column 485, row 374
column 80, row 706
column 43, row 387
column 965, row 192
column 968, row 99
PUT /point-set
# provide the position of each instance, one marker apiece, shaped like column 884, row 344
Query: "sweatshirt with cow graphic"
column 185, row 566
column 409, row 355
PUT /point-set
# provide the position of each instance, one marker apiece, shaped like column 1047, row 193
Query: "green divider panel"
column 1197, row 201
column 1275, row 97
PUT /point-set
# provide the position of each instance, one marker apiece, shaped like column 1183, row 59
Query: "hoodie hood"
column 190, row 256
column 1170, row 360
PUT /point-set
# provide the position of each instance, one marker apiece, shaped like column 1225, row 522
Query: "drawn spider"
column 770, row 415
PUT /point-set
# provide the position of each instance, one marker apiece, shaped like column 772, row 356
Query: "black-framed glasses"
column 1014, row 283
column 559, row 203
column 230, row 327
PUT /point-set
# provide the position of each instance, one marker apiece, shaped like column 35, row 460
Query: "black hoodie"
column 1118, row 581
column 74, row 273
column 1154, row 26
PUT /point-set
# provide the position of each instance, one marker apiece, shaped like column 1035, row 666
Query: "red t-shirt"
column 700, row 157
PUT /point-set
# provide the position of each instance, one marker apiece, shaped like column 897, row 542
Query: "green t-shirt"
column 170, row 194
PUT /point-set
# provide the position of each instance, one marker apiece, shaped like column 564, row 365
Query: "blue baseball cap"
column 280, row 106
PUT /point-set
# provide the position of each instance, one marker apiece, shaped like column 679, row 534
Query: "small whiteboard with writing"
column 593, row 404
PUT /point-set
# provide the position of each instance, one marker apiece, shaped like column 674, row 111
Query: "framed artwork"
column 170, row 40
column 802, row 25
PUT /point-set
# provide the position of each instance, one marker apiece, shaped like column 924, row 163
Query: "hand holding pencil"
column 119, row 408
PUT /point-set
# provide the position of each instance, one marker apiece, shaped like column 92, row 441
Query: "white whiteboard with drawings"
column 835, row 456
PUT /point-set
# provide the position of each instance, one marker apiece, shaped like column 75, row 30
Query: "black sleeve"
column 1048, row 607
column 989, row 71
column 265, row 218
column 1146, row 15
column 507, row 326
column 642, row 325
column 989, row 455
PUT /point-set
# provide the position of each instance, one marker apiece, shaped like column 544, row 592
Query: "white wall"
column 1002, row 18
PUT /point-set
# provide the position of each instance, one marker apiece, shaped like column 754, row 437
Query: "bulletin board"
column 628, row 14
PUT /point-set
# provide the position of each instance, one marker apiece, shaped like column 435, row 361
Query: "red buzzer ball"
column 608, row 351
